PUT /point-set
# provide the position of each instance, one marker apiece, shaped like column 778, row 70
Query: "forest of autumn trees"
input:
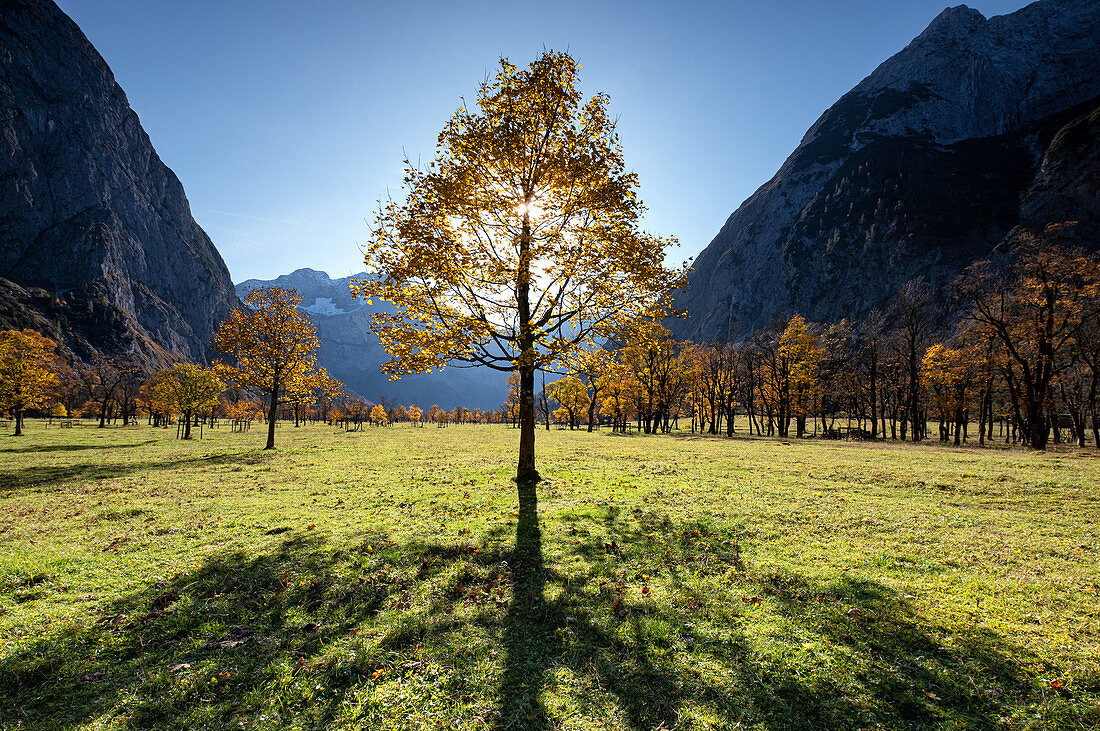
column 1021, row 362
column 1013, row 355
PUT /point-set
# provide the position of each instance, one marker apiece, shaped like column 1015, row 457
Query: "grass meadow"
column 371, row 580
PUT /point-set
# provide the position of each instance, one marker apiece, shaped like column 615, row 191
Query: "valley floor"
column 370, row 580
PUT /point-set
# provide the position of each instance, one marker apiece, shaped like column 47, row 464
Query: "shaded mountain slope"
column 98, row 247
column 979, row 126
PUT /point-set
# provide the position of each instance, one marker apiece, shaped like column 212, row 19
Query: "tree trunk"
column 525, row 471
column 1037, row 428
column 18, row 423
column 272, row 408
column 874, row 392
column 187, row 428
column 526, row 475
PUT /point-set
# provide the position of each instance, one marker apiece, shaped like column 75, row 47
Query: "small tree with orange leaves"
column 378, row 415
column 272, row 346
column 28, row 372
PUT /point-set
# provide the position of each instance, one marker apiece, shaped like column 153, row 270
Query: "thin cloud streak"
column 262, row 219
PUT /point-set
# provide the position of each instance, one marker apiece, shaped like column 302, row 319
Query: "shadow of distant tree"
column 41, row 477
column 43, row 448
column 204, row 639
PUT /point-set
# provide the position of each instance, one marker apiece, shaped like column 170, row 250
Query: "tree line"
column 267, row 365
column 1022, row 361
column 1022, row 365
column 268, row 371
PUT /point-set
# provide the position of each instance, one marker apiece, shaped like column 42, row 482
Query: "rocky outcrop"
column 98, row 247
column 351, row 353
column 977, row 127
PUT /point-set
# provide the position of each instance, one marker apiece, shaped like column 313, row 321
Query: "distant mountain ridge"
column 977, row 128
column 98, row 248
column 351, row 353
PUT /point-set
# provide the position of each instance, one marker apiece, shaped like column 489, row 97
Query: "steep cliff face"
column 97, row 244
column 978, row 126
column 351, row 353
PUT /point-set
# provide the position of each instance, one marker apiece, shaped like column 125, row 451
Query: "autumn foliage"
column 28, row 372
column 272, row 348
column 519, row 243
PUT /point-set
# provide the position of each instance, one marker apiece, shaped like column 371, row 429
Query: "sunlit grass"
column 369, row 580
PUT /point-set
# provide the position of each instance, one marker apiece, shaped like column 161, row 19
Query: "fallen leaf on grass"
column 113, row 619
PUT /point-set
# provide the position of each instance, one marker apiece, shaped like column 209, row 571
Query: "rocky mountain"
column 978, row 127
column 352, row 354
column 98, row 248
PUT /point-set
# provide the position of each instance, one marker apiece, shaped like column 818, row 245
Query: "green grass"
column 370, row 580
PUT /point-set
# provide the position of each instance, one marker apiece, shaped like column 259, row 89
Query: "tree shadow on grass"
column 237, row 638
column 304, row 634
column 800, row 651
column 70, row 447
column 730, row 645
column 300, row 634
column 45, row 477
column 545, row 636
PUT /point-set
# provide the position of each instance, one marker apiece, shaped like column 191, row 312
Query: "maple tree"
column 572, row 397
column 378, row 415
column 104, row 379
column 948, row 374
column 1035, row 308
column 315, row 387
column 657, row 376
column 186, row 389
column 520, row 242
column 27, row 372
column 594, row 367
column 800, row 353
column 272, row 346
column 323, row 391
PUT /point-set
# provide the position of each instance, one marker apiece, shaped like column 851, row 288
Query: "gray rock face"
column 929, row 162
column 351, row 353
column 97, row 244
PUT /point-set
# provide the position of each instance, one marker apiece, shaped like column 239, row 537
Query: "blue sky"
column 287, row 120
